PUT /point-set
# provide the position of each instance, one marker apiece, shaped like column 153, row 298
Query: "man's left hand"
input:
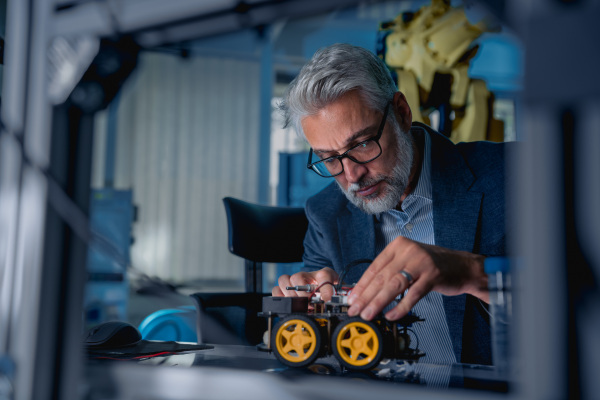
column 449, row 272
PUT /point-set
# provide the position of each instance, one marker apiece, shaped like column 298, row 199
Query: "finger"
column 283, row 282
column 415, row 293
column 302, row 278
column 377, row 296
column 326, row 292
column 382, row 275
column 326, row 278
column 371, row 273
column 326, row 275
column 391, row 256
column 379, row 280
column 277, row 292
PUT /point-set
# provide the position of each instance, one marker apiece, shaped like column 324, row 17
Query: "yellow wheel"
column 296, row 341
column 357, row 344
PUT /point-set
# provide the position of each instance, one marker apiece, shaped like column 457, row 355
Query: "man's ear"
column 402, row 111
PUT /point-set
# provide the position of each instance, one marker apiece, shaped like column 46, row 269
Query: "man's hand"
column 307, row 278
column 449, row 272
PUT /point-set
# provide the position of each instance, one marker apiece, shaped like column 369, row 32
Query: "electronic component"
column 302, row 333
column 302, row 288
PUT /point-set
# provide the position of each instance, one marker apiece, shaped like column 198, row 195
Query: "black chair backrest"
column 257, row 234
column 264, row 233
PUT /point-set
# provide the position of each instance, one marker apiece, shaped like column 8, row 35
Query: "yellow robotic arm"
column 436, row 41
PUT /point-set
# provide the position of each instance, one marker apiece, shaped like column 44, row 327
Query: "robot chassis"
column 301, row 335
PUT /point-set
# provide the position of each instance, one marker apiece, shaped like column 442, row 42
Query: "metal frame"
column 31, row 291
column 556, row 296
column 26, row 115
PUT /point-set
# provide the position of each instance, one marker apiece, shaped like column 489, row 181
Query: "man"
column 423, row 209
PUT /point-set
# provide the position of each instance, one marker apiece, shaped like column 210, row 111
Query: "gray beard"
column 397, row 182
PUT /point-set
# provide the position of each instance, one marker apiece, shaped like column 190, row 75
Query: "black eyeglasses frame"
column 345, row 154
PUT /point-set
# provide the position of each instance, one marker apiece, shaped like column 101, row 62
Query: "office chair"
column 264, row 234
column 258, row 234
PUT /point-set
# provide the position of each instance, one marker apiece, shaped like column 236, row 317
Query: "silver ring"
column 408, row 277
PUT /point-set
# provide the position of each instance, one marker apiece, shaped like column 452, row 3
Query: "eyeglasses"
column 364, row 152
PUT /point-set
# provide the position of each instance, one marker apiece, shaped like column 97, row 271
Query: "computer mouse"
column 112, row 334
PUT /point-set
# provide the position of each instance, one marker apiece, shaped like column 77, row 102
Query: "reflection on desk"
column 235, row 361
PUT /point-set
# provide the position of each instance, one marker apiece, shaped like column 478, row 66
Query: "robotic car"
column 302, row 334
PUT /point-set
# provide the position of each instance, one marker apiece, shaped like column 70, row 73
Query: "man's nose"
column 353, row 171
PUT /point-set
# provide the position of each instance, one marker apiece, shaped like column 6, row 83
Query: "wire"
column 319, row 287
column 416, row 337
column 323, row 284
column 142, row 357
column 348, row 267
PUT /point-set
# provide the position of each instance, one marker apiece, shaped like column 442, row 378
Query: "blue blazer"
column 468, row 214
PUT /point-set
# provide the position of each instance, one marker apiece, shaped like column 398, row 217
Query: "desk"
column 241, row 372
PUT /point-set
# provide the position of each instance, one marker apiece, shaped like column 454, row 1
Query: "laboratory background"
column 147, row 180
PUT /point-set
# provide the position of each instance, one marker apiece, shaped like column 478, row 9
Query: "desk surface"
column 239, row 370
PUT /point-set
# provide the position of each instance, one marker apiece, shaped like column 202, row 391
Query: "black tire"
column 357, row 344
column 296, row 341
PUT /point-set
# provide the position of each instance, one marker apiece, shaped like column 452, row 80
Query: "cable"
column 139, row 358
column 319, row 287
column 348, row 267
column 416, row 337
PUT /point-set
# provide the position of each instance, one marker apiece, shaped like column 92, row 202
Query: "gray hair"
column 331, row 73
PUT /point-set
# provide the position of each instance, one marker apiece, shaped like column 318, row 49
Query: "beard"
column 396, row 182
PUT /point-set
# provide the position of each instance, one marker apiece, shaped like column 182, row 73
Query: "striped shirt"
column 415, row 222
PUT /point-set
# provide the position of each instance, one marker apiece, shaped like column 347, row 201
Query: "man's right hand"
column 317, row 278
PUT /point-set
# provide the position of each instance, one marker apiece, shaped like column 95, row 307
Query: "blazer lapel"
column 455, row 206
column 357, row 240
column 456, row 210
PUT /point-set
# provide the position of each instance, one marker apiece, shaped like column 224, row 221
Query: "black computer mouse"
column 112, row 334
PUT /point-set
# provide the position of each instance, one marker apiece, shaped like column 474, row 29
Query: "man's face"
column 374, row 187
